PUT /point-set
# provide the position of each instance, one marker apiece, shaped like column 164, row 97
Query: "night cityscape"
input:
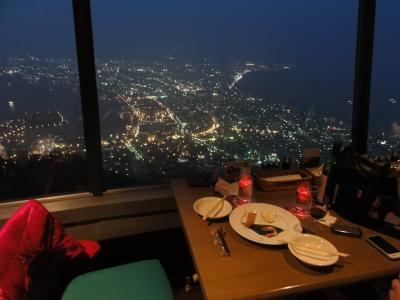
column 166, row 119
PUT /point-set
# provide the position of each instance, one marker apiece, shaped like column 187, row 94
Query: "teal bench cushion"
column 139, row 280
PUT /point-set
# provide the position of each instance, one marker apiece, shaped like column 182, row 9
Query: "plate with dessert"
column 265, row 223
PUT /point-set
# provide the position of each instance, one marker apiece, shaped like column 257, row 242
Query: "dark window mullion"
column 363, row 70
column 88, row 88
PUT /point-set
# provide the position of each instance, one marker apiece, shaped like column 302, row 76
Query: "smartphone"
column 346, row 230
column 384, row 246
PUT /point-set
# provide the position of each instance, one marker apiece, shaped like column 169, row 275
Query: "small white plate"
column 203, row 205
column 313, row 257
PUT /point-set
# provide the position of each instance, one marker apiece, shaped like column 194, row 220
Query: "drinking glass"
column 301, row 207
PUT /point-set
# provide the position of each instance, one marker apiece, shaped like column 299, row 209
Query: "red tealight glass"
column 245, row 183
column 245, row 190
column 303, row 201
column 303, row 193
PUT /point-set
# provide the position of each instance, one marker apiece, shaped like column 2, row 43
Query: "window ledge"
column 82, row 209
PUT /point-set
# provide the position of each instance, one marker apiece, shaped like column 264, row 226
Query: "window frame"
column 363, row 73
column 89, row 99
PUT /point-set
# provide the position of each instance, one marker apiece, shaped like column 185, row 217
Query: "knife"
column 224, row 245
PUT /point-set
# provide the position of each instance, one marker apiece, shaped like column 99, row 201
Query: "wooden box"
column 275, row 180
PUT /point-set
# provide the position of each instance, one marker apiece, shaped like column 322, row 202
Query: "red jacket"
column 29, row 231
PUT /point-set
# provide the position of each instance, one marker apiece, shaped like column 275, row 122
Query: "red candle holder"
column 245, row 190
column 303, row 193
column 303, row 201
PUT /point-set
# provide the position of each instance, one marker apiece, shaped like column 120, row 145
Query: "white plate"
column 284, row 219
column 312, row 257
column 203, row 205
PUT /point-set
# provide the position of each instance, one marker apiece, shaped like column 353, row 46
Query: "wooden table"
column 255, row 271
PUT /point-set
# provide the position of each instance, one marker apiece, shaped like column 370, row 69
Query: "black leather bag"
column 363, row 191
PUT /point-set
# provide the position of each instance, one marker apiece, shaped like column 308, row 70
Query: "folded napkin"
column 327, row 220
column 225, row 188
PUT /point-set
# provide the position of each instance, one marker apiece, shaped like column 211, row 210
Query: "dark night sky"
column 265, row 31
column 318, row 35
column 271, row 31
column 290, row 31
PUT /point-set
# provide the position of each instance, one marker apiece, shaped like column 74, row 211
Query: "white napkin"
column 328, row 220
column 225, row 188
column 392, row 218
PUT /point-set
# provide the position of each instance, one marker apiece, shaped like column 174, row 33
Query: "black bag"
column 363, row 191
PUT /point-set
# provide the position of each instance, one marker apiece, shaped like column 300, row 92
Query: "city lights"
column 168, row 117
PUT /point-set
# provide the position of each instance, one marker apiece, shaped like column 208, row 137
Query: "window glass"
column 41, row 137
column 184, row 85
column 384, row 123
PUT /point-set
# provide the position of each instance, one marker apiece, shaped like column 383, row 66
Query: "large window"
column 41, row 138
column 186, row 84
column 384, row 125
column 182, row 86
